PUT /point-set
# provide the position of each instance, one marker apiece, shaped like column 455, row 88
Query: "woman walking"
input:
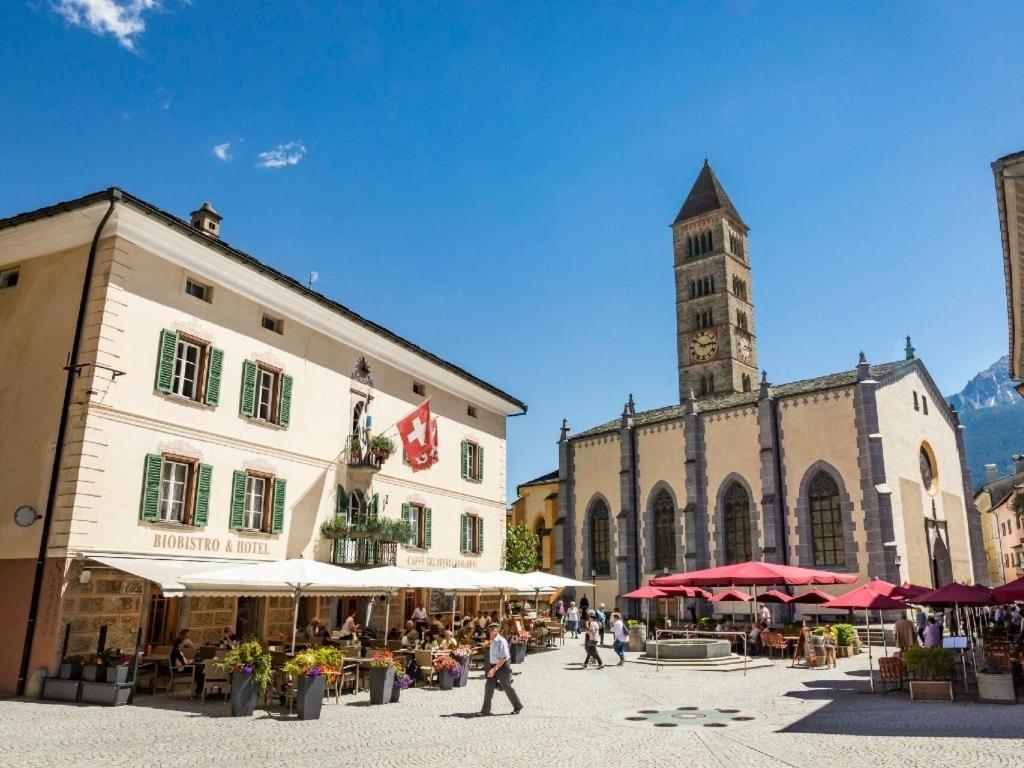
column 572, row 621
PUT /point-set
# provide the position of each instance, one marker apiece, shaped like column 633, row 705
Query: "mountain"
column 993, row 417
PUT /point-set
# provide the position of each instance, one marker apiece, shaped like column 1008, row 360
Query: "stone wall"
column 207, row 617
column 111, row 598
column 278, row 617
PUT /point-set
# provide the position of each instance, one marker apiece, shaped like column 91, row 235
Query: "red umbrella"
column 881, row 587
column 774, row 596
column 646, row 593
column 685, row 592
column 913, row 590
column 956, row 594
column 812, row 597
column 731, row 596
column 753, row 574
column 1009, row 593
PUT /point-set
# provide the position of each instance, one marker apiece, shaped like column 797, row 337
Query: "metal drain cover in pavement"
column 691, row 717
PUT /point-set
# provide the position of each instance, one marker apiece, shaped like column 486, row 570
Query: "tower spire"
column 707, row 194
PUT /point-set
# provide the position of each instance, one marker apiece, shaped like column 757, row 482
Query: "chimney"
column 1018, row 463
column 991, row 473
column 207, row 220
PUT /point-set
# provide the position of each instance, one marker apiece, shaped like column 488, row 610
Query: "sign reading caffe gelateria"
column 176, row 542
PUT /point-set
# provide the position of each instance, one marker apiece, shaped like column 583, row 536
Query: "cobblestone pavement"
column 800, row 718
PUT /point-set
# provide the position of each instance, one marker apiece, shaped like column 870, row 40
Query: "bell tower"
column 715, row 332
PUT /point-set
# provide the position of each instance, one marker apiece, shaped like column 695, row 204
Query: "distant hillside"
column 993, row 417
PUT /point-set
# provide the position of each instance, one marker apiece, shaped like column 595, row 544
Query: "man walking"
column 590, row 641
column 619, row 638
column 498, row 659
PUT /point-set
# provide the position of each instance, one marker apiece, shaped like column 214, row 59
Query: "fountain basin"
column 688, row 648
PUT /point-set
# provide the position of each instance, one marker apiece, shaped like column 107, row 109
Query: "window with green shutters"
column 277, row 515
column 472, row 461
column 471, row 534
column 237, row 516
column 417, row 516
column 257, row 502
column 426, row 528
column 341, row 502
column 175, row 490
column 188, row 367
column 266, row 394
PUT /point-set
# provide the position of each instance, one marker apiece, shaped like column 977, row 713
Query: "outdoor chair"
column 149, row 672
column 556, row 632
column 182, row 678
column 425, row 661
column 215, row 680
column 893, row 671
column 349, row 674
column 775, row 642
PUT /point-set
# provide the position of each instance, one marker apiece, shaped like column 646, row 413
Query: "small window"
column 472, row 461
column 471, row 411
column 419, row 389
column 197, row 289
column 924, row 404
column 272, row 323
column 8, row 278
column 472, row 534
column 917, row 405
column 267, row 396
column 256, row 501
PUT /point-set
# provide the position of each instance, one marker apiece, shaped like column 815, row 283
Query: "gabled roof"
column 550, row 477
column 706, row 195
column 1000, row 490
column 258, row 266
column 793, row 389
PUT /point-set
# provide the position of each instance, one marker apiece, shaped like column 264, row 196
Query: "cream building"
column 204, row 409
column 859, row 471
column 536, row 505
column 1009, row 178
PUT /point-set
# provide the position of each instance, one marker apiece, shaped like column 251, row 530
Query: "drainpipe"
column 44, row 539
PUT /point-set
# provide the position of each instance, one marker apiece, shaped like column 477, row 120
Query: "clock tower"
column 714, row 311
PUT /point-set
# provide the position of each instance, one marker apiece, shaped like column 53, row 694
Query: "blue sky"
column 526, row 159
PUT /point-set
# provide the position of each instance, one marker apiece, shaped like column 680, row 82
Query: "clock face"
column 744, row 349
column 703, row 346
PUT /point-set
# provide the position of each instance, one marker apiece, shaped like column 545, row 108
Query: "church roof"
column 725, row 402
column 706, row 195
column 550, row 477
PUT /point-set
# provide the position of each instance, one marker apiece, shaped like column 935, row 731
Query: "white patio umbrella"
column 297, row 577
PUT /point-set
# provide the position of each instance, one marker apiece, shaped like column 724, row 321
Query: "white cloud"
column 223, row 151
column 282, row 155
column 121, row 18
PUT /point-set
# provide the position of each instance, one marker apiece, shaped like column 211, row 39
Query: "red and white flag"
column 419, row 437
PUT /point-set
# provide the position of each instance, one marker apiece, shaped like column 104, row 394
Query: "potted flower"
column 637, row 635
column 312, row 668
column 71, row 668
column 931, row 669
column 91, row 664
column 114, row 667
column 382, row 677
column 995, row 683
column 401, row 683
column 448, row 669
column 381, row 447
column 846, row 640
column 462, row 654
column 249, row 666
column 517, row 647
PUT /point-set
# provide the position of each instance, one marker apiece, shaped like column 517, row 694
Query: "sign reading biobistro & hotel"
column 177, row 542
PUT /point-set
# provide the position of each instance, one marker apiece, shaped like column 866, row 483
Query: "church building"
column 859, row 471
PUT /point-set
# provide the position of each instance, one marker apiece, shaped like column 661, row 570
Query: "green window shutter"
column 284, row 415
column 339, row 551
column 480, row 535
column 202, row 508
column 247, row 405
column 213, row 370
column 151, row 474
column 165, row 360
column 277, row 513
column 405, row 513
column 237, row 500
column 465, row 460
column 341, row 501
column 373, row 507
column 464, row 533
column 426, row 528
column 479, row 462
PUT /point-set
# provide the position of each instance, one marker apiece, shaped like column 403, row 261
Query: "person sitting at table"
column 323, row 634
column 182, row 665
column 445, row 642
column 348, row 629
column 411, row 637
column 228, row 639
column 466, row 631
column 188, row 648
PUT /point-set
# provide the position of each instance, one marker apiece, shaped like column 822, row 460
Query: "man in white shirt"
column 498, row 658
column 766, row 615
column 620, row 636
column 419, row 618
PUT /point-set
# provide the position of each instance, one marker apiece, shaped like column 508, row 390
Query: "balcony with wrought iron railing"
column 364, row 553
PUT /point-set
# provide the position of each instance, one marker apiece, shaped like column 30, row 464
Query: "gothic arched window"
column 736, row 522
column 827, row 538
column 599, row 539
column 746, row 383
column 664, row 531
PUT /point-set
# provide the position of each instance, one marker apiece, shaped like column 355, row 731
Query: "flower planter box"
column 445, row 681
column 931, row 690
column 71, row 670
column 638, row 637
column 518, row 653
column 844, row 651
column 309, row 698
column 395, row 693
column 56, row 689
column 464, row 677
column 243, row 695
column 91, row 673
column 996, row 686
column 117, row 675
column 382, row 681
column 108, row 694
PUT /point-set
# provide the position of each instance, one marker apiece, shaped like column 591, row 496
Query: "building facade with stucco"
column 173, row 405
column 859, row 471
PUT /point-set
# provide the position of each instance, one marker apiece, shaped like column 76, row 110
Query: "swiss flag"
column 419, row 437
